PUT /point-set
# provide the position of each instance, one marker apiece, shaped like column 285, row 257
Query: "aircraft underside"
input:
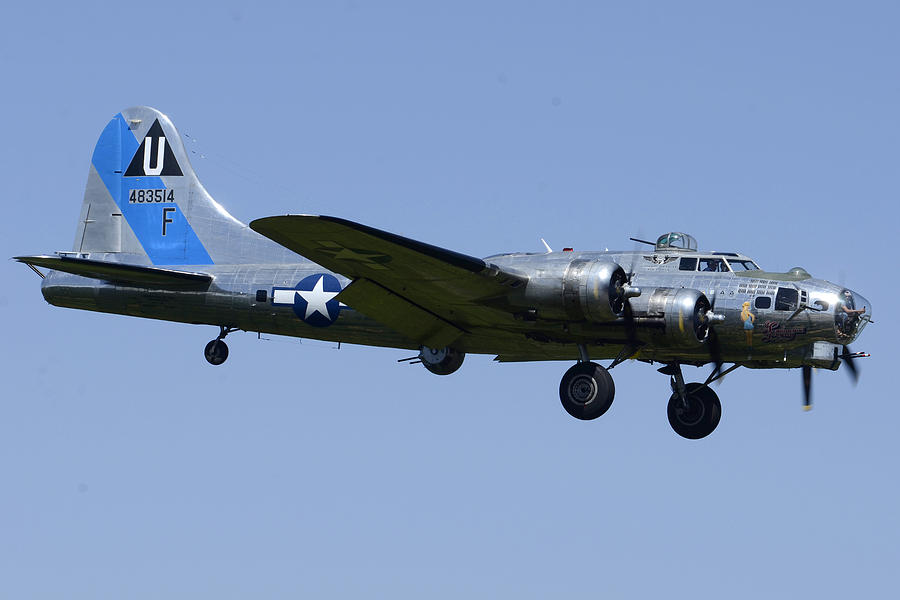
column 586, row 390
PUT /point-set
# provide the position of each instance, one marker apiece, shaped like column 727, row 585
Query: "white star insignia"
column 316, row 299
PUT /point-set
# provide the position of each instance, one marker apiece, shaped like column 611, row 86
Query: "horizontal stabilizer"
column 120, row 273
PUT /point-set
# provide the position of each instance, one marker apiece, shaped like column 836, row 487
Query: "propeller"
column 847, row 356
column 625, row 291
column 807, row 387
column 715, row 352
column 712, row 338
column 630, row 327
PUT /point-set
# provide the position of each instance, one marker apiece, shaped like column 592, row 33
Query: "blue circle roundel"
column 314, row 301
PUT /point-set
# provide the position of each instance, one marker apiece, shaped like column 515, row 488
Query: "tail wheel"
column 698, row 416
column 587, row 391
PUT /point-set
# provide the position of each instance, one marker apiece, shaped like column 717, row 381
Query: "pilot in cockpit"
column 712, row 265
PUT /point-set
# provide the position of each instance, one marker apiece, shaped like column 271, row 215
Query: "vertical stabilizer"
column 143, row 199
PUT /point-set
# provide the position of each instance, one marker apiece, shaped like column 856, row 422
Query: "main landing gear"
column 216, row 351
column 695, row 415
column 587, row 391
column 694, row 409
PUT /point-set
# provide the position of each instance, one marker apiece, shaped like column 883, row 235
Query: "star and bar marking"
column 312, row 299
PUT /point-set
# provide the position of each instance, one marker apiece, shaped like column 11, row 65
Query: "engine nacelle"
column 685, row 311
column 592, row 290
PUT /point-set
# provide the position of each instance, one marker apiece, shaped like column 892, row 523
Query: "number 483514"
column 146, row 196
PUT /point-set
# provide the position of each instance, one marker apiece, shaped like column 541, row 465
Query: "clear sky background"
column 133, row 469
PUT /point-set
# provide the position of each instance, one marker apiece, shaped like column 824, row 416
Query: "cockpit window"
column 713, row 265
column 687, row 264
column 743, row 265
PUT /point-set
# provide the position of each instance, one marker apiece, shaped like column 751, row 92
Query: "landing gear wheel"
column 586, row 391
column 441, row 361
column 216, row 352
column 701, row 415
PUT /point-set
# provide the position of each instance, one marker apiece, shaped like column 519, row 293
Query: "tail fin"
column 143, row 198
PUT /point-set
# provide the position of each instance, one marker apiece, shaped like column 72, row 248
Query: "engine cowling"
column 592, row 290
column 685, row 311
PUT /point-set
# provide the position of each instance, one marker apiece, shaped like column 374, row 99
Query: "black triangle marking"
column 147, row 159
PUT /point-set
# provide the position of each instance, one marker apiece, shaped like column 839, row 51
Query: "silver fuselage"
column 781, row 336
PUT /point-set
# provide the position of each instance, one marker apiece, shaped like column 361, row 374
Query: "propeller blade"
column 630, row 327
column 715, row 352
column 848, row 358
column 807, row 385
column 627, row 313
column 712, row 341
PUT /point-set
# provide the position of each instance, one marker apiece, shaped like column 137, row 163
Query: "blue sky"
column 131, row 468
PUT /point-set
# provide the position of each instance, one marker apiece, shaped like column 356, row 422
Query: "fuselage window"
column 763, row 302
column 786, row 299
column 687, row 264
column 713, row 265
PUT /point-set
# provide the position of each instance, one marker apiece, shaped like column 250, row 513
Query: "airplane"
column 151, row 242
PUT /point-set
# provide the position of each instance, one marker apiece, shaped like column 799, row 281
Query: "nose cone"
column 852, row 313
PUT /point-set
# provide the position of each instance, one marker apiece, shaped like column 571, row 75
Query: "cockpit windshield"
column 742, row 265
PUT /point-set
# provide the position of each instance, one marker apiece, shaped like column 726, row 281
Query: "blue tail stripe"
column 180, row 244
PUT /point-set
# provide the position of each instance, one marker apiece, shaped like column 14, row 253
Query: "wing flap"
column 399, row 314
column 119, row 272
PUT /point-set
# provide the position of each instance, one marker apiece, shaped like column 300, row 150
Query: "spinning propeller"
column 624, row 291
column 707, row 316
column 847, row 356
column 712, row 338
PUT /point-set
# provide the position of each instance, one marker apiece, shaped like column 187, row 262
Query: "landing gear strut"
column 216, row 351
column 694, row 409
column 587, row 389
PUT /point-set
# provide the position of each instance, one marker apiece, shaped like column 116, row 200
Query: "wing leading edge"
column 430, row 294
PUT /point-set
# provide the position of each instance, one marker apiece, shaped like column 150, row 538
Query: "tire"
column 703, row 413
column 216, row 352
column 587, row 391
column 443, row 361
